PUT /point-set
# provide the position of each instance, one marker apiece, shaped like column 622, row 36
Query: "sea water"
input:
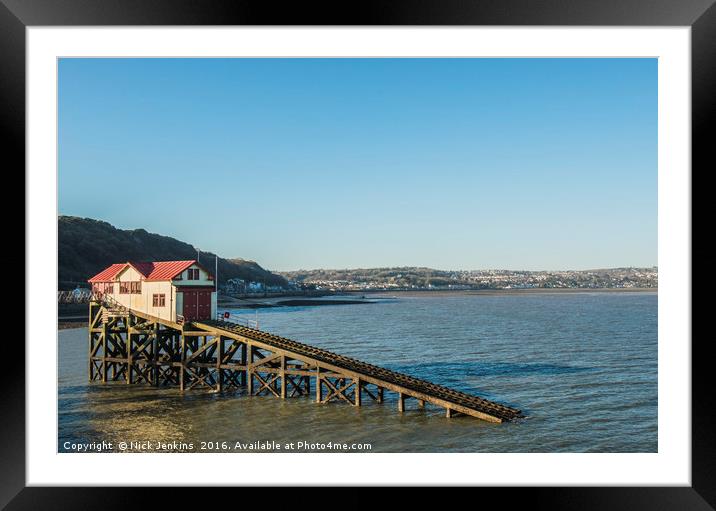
column 581, row 366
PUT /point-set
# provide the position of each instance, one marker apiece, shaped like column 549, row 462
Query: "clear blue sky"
column 341, row 163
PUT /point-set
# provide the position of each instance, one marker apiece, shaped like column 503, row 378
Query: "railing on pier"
column 238, row 319
column 108, row 301
column 78, row 295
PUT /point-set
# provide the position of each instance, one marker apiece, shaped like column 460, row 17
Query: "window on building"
column 134, row 288
column 192, row 274
column 158, row 300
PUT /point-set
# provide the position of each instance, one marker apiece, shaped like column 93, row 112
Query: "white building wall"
column 144, row 301
column 133, row 301
column 161, row 287
column 203, row 281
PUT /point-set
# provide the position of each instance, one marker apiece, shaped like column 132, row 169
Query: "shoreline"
column 317, row 302
column 282, row 301
column 259, row 301
column 536, row 291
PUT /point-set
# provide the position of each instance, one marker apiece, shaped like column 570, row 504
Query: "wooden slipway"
column 133, row 347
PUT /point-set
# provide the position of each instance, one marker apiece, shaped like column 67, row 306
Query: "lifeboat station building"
column 173, row 290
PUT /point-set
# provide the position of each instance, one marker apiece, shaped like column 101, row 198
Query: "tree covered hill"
column 86, row 246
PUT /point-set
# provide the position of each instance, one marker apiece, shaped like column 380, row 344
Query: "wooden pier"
column 132, row 347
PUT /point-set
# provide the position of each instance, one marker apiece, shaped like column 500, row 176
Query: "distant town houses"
column 240, row 286
column 430, row 279
column 396, row 279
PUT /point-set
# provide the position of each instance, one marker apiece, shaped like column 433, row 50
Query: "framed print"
column 424, row 245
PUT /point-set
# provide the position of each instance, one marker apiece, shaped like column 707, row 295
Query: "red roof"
column 157, row 270
column 162, row 270
column 108, row 273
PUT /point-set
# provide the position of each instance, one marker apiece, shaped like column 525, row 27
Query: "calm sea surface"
column 582, row 366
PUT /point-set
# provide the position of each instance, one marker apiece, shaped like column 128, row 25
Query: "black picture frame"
column 700, row 15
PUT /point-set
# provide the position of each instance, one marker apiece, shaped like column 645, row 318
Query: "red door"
column 197, row 305
column 204, row 305
column 190, row 308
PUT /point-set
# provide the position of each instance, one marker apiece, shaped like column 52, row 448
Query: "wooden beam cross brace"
column 201, row 350
column 266, row 384
column 232, row 378
column 168, row 374
column 337, row 391
column 230, row 351
column 297, row 389
column 266, row 360
column 199, row 378
column 144, row 372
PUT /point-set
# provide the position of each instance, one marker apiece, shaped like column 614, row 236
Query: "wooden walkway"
column 133, row 347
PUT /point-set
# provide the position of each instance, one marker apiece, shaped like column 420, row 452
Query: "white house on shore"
column 172, row 290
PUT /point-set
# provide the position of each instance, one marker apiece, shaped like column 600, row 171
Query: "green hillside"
column 86, row 246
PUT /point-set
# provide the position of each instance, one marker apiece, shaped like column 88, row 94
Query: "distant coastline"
column 405, row 278
column 536, row 290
